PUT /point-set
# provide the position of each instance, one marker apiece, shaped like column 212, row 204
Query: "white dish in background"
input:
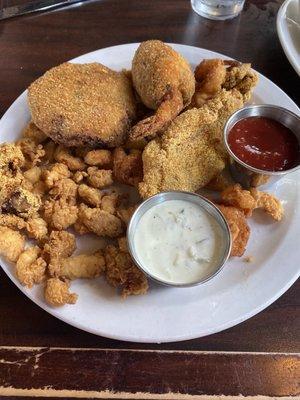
column 288, row 29
column 238, row 292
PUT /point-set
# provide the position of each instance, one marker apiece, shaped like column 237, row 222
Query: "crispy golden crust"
column 164, row 81
column 30, row 267
column 64, row 155
column 55, row 173
column 156, row 68
column 59, row 214
column 237, row 197
column 183, row 158
column 128, row 168
column 121, row 272
column 11, row 243
column 59, row 244
column 101, row 222
column 12, row 221
column 239, row 229
column 83, row 104
column 77, row 267
column 37, row 228
column 90, row 195
column 269, row 203
column 99, row 178
column 57, row 293
column 99, row 158
column 11, row 156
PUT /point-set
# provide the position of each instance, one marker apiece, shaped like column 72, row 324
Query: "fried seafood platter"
column 98, row 142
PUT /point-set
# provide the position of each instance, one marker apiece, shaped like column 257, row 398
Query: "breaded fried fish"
column 83, row 104
column 190, row 152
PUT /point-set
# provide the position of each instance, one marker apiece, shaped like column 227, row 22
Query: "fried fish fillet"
column 165, row 83
column 83, row 104
column 190, row 152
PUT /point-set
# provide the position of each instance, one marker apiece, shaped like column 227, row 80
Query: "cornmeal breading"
column 12, row 221
column 11, row 156
column 83, row 104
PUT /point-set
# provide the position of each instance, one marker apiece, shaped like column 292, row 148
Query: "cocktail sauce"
column 265, row 144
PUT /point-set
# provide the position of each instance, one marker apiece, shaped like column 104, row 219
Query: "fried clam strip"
column 190, row 153
column 249, row 200
column 57, row 292
column 128, row 166
column 122, row 273
column 59, row 244
column 76, row 267
column 239, row 229
column 165, row 83
column 64, row 155
column 30, row 267
column 23, row 203
column 100, row 222
column 11, row 243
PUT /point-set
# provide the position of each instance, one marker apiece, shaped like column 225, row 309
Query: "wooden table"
column 40, row 355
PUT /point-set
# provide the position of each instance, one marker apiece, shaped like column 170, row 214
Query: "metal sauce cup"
column 203, row 203
column 245, row 174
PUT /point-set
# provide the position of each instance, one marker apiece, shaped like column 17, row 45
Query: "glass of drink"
column 218, row 9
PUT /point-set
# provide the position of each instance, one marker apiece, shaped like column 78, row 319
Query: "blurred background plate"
column 288, row 29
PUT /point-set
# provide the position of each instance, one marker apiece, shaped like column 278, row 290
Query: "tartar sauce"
column 178, row 242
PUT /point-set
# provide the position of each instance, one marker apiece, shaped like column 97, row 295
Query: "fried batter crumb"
column 59, row 244
column 79, row 176
column 122, row 272
column 59, row 214
column 100, row 158
column 37, row 228
column 128, row 168
column 11, row 243
column 55, row 173
column 109, row 203
column 100, row 222
column 80, row 266
column 90, row 195
column 30, row 267
column 99, row 178
column 57, row 293
column 63, row 155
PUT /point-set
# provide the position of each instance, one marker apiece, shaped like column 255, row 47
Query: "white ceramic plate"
column 240, row 291
column 288, row 29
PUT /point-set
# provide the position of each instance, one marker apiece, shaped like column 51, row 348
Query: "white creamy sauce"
column 179, row 242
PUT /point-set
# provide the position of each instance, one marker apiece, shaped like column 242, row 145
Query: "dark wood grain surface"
column 32, row 44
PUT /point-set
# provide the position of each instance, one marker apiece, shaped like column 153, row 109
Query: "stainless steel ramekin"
column 187, row 196
column 245, row 174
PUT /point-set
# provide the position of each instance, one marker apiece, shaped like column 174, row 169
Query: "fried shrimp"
column 165, row 83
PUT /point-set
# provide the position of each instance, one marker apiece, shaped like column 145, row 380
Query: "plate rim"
column 279, row 27
column 141, row 339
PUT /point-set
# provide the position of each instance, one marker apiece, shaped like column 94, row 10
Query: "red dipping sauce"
column 265, row 144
